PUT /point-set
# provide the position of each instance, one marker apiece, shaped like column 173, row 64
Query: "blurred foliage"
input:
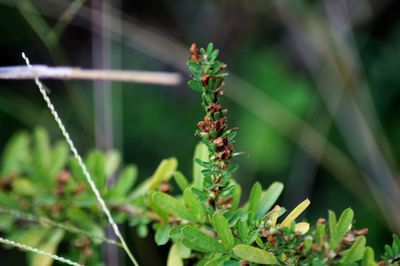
column 45, row 203
column 259, row 47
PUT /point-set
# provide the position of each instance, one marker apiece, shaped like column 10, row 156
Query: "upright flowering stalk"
column 208, row 78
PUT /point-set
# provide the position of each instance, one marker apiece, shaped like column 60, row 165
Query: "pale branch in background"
column 46, row 72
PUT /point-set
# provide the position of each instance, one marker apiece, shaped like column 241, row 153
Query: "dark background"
column 314, row 89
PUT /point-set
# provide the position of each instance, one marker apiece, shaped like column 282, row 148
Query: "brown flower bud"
column 195, row 54
column 63, row 177
column 205, row 79
column 219, row 142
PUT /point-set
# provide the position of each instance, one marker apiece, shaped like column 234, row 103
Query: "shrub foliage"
column 45, row 201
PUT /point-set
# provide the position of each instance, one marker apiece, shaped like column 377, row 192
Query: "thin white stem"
column 37, row 251
column 88, row 177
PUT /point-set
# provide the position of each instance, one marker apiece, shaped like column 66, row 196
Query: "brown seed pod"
column 63, row 177
column 205, row 79
column 195, row 54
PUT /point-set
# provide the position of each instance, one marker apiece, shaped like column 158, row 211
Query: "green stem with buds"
column 208, row 78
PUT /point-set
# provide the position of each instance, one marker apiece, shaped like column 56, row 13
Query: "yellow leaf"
column 302, row 228
column 274, row 216
column 164, row 172
column 49, row 246
column 295, row 213
column 174, row 259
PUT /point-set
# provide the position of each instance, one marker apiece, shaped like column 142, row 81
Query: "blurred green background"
column 314, row 87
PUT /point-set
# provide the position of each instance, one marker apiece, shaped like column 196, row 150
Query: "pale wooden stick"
column 46, row 72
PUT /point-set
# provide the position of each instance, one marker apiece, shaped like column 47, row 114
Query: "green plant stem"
column 44, row 220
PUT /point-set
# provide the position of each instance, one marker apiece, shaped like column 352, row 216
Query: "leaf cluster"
column 45, row 201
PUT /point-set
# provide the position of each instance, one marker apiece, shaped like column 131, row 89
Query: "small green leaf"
column 15, row 155
column 42, row 152
column 6, row 223
column 223, row 230
column 183, row 251
column 259, row 242
column 162, row 234
column 24, row 187
column 253, row 254
column 113, row 160
column 201, row 153
column 196, row 67
column 164, row 172
column 210, row 47
column 172, row 206
column 96, row 166
column 320, row 234
column 232, row 263
column 181, row 180
column 254, row 199
column 176, row 233
column 213, row 55
column 161, row 212
column 332, row 221
column 31, row 236
column 341, row 228
column 237, row 192
column 193, row 246
column 76, row 170
column 195, row 85
column 201, row 240
column 308, row 242
column 194, row 204
column 7, row 201
column 269, row 197
column 295, row 213
column 142, row 230
column 356, row 251
column 243, row 230
column 125, row 181
column 50, row 246
column 369, row 258
column 59, row 158
column 174, row 258
column 80, row 217
column 218, row 261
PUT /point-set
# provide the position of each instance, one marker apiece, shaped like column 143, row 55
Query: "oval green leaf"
column 341, row 228
column 254, row 199
column 125, row 181
column 162, row 234
column 369, row 258
column 194, row 204
column 218, row 261
column 255, row 255
column 223, row 230
column 172, row 206
column 164, row 172
column 356, row 251
column 181, row 180
column 201, row 153
column 201, row 240
column 269, row 197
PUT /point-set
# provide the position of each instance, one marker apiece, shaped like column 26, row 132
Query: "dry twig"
column 46, row 72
